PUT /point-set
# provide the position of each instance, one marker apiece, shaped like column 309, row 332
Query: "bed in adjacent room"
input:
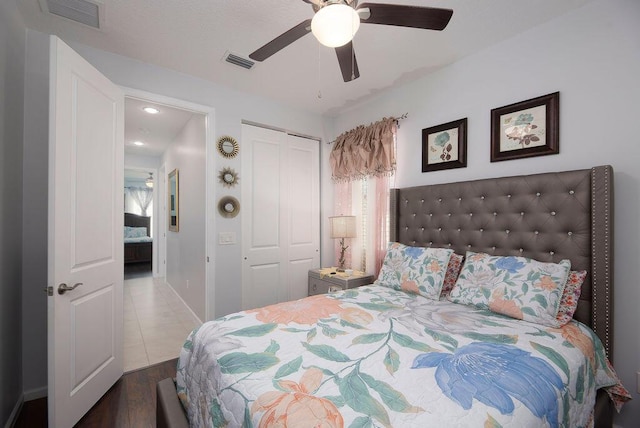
column 493, row 308
column 138, row 244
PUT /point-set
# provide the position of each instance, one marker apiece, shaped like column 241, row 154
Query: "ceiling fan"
column 336, row 22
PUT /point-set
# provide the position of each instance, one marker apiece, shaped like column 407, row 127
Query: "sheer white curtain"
column 368, row 200
column 363, row 164
column 142, row 196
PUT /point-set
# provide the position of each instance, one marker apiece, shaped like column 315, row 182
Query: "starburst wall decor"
column 228, row 177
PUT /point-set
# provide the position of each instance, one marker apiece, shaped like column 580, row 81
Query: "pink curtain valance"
column 366, row 151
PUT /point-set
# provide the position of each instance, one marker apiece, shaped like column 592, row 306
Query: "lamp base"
column 340, row 270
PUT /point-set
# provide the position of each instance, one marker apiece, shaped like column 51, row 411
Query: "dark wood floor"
column 130, row 403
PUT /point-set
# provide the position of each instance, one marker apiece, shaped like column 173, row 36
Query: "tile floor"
column 156, row 322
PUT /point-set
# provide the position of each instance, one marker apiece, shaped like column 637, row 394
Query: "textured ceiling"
column 192, row 36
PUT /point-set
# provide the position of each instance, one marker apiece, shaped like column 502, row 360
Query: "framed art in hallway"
column 525, row 129
column 445, row 146
column 174, row 201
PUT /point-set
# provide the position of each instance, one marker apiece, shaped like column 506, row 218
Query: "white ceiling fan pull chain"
column 319, row 73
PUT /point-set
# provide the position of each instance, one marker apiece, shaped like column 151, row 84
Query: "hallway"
column 156, row 322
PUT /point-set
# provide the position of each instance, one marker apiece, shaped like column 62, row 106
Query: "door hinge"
column 48, row 290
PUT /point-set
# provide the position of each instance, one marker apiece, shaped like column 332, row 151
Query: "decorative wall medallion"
column 228, row 207
column 228, row 177
column 228, row 147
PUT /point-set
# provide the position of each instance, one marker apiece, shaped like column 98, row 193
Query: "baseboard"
column 185, row 303
column 34, row 394
column 13, row 417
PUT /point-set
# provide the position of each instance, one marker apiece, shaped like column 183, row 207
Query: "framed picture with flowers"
column 445, row 146
column 525, row 129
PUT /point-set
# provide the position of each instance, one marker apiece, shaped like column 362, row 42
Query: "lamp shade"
column 343, row 226
column 335, row 25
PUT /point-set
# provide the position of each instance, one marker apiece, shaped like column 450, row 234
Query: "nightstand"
column 321, row 279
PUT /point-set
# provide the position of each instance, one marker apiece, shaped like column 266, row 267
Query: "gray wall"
column 12, row 57
column 592, row 56
column 186, row 248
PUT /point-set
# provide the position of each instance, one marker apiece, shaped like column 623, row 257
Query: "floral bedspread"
column 377, row 357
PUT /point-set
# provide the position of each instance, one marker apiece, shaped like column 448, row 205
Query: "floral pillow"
column 135, row 232
column 570, row 296
column 518, row 287
column 414, row 269
column 450, row 278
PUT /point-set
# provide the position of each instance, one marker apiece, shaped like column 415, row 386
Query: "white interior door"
column 85, row 247
column 302, row 187
column 280, row 218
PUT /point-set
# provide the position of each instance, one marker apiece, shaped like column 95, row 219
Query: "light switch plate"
column 227, row 238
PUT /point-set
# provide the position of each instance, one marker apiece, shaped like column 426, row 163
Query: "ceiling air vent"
column 87, row 12
column 238, row 60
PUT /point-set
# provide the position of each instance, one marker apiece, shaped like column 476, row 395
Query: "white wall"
column 186, row 248
column 592, row 56
column 231, row 108
column 12, row 59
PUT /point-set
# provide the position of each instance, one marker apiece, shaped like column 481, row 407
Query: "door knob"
column 63, row 288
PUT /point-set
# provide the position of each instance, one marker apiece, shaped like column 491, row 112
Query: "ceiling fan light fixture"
column 149, row 181
column 335, row 25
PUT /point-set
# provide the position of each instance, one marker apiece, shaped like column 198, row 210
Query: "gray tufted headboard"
column 547, row 217
column 135, row 220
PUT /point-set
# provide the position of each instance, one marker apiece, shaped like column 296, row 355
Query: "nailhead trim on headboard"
column 594, row 250
column 602, row 224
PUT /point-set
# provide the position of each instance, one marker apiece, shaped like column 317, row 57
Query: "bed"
column 138, row 244
column 381, row 356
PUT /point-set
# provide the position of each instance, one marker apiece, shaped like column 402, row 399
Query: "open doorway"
column 139, row 221
column 160, row 288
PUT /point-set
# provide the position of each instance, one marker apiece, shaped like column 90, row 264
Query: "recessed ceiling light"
column 138, row 143
column 151, row 110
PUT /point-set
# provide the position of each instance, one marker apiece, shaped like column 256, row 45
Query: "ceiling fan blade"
column 282, row 41
column 428, row 18
column 348, row 63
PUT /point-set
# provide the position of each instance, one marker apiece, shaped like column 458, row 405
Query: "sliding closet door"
column 280, row 215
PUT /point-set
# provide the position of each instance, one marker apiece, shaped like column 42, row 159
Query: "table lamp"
column 340, row 227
